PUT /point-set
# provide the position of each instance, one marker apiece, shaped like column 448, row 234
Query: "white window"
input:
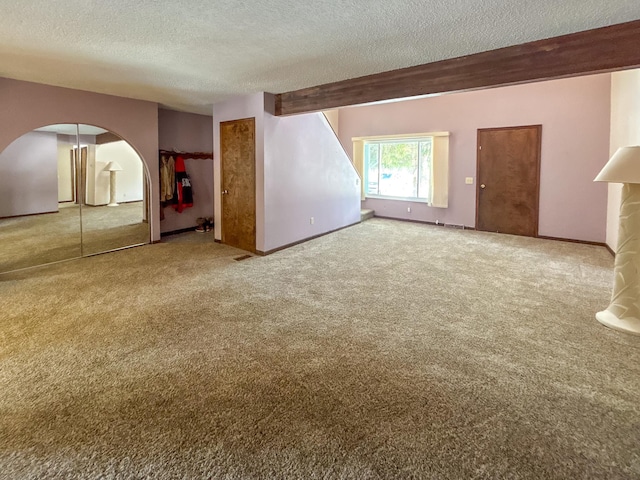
column 412, row 167
column 399, row 168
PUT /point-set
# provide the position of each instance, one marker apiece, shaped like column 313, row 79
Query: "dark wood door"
column 508, row 180
column 238, row 166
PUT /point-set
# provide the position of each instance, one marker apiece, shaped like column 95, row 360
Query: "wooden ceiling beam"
column 605, row 49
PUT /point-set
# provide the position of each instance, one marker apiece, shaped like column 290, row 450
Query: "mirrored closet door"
column 69, row 191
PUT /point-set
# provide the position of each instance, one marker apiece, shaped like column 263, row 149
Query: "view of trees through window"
column 399, row 168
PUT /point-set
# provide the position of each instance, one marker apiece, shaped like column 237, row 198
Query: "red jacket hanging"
column 183, row 194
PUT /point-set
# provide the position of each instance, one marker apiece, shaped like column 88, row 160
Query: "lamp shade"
column 113, row 167
column 623, row 167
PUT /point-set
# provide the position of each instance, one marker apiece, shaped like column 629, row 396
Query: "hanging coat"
column 183, row 195
column 167, row 178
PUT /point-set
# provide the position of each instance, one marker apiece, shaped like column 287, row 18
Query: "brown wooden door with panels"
column 508, row 180
column 238, row 167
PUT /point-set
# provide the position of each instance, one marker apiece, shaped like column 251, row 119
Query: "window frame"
column 440, row 165
column 398, row 139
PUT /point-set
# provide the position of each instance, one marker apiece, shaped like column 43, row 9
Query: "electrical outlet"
column 311, row 220
column 409, row 209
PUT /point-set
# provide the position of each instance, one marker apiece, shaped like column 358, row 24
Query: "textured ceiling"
column 188, row 54
column 72, row 129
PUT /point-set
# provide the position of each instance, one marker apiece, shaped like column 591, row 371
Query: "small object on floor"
column 204, row 224
column 243, row 257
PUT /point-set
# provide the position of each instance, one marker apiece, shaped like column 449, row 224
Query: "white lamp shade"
column 623, row 167
column 113, row 167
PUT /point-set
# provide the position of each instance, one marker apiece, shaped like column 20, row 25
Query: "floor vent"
column 243, row 257
column 453, row 225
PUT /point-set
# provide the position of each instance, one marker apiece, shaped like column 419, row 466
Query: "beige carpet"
column 40, row 239
column 385, row 350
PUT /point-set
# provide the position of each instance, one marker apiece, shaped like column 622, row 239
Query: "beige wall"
column 129, row 181
column 625, row 131
column 333, row 117
column 65, row 172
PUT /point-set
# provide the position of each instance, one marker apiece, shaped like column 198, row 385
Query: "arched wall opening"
column 27, row 106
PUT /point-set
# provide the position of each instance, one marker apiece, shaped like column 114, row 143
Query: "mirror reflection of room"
column 69, row 191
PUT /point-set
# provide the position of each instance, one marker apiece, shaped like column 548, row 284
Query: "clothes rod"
column 188, row 155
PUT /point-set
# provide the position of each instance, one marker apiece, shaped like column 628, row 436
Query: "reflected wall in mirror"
column 68, row 191
column 39, row 219
column 114, row 210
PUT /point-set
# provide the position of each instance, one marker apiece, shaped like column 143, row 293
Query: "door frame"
column 538, row 127
column 222, row 182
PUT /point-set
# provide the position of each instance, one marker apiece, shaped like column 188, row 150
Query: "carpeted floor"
column 385, row 350
column 39, row 239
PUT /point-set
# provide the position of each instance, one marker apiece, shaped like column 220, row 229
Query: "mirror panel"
column 68, row 191
column 39, row 206
column 114, row 208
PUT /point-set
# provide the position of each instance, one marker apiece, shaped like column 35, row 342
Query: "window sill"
column 398, row 199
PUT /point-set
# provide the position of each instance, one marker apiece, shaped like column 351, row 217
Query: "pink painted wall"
column 26, row 106
column 189, row 132
column 307, row 174
column 301, row 171
column 29, row 175
column 574, row 114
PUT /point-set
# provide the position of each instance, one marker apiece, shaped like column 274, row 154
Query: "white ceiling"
column 189, row 54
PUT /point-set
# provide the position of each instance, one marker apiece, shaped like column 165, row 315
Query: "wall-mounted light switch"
column 468, row 180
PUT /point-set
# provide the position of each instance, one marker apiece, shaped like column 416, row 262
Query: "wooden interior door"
column 508, row 180
column 238, row 167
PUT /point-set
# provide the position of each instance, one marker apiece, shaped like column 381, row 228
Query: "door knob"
column 482, row 185
column 224, row 192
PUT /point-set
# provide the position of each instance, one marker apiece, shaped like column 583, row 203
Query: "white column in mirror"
column 112, row 168
column 623, row 313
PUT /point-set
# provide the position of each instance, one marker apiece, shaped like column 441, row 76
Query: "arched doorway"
column 67, row 191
